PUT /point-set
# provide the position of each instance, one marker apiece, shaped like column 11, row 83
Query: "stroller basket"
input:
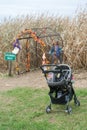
column 62, row 99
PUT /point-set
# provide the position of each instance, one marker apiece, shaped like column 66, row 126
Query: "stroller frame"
column 60, row 81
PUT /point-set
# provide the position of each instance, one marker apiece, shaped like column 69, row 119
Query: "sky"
column 13, row 8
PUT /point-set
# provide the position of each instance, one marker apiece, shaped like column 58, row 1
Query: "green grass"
column 24, row 109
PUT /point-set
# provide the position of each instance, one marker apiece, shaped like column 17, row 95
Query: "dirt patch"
column 36, row 79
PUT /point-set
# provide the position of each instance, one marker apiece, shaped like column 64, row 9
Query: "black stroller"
column 60, row 81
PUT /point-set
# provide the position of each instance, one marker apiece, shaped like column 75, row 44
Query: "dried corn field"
column 73, row 32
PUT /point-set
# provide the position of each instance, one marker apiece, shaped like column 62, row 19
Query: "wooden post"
column 10, row 67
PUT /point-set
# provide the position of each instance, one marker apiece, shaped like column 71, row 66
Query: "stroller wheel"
column 68, row 110
column 48, row 109
column 77, row 102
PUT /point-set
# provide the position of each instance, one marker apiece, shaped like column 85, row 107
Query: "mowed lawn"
column 24, row 109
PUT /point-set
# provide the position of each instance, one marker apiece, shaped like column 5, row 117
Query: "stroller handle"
column 61, row 67
column 48, row 65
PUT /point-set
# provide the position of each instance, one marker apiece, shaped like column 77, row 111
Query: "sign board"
column 9, row 56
